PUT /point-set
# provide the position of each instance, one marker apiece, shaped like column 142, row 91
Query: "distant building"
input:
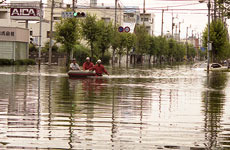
column 148, row 20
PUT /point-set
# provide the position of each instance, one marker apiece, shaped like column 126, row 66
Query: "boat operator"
column 74, row 65
column 87, row 65
column 99, row 69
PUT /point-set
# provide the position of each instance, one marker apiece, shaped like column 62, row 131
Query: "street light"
column 209, row 43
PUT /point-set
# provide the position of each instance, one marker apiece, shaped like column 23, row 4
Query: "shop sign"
column 7, row 33
column 24, row 13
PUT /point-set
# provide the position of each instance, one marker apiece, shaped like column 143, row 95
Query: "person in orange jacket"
column 99, row 68
column 87, row 65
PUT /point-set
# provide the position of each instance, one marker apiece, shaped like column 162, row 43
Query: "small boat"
column 80, row 73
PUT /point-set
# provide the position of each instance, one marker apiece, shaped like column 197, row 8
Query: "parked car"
column 212, row 66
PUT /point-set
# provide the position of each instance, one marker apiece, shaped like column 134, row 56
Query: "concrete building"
column 148, row 20
column 14, row 43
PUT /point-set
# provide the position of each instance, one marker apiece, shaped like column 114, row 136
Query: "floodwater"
column 174, row 107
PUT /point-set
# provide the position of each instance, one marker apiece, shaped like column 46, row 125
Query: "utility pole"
column 40, row 36
column 209, row 44
column 162, row 23
column 172, row 24
column 179, row 31
column 51, row 33
column 73, row 5
column 115, row 23
column 187, row 43
column 144, row 12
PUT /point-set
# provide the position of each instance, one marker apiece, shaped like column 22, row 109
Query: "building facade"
column 148, row 20
column 14, row 43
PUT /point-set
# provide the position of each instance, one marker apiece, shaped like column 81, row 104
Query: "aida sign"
column 24, row 13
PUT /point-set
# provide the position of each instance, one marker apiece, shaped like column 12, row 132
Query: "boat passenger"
column 99, row 69
column 87, row 65
column 74, row 65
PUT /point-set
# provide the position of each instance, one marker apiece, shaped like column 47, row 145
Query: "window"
column 107, row 20
column 31, row 33
column 145, row 19
column 48, row 34
column 57, row 18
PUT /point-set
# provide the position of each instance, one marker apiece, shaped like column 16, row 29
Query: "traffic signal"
column 31, row 40
column 79, row 14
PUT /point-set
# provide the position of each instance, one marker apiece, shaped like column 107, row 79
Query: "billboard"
column 25, row 13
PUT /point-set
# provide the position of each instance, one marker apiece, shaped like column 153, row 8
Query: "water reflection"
column 214, row 99
column 147, row 108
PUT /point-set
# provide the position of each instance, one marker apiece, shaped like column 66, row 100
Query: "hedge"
column 17, row 62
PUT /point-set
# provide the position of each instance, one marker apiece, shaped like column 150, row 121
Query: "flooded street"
column 138, row 108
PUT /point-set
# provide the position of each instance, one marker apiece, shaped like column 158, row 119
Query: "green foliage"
column 152, row 49
column 25, row 62
column 180, row 52
column 6, row 62
column 47, row 45
column 219, row 39
column 172, row 45
column 104, row 38
column 90, row 31
column 122, row 44
column 191, row 53
column 106, row 59
column 33, row 48
column 67, row 33
column 129, row 43
column 115, row 39
column 162, row 46
column 114, row 43
column 17, row 62
column 142, row 40
column 80, row 53
column 130, row 40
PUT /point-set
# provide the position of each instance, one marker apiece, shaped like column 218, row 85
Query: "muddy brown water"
column 174, row 107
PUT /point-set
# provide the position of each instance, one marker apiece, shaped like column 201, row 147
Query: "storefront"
column 14, row 43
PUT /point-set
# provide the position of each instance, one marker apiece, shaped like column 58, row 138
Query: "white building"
column 14, row 43
column 148, row 20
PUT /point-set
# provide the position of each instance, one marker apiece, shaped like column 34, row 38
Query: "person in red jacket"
column 99, row 68
column 87, row 65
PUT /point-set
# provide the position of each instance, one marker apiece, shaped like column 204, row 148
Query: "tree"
column 54, row 47
column 114, row 43
column 121, row 46
column 142, row 42
column 172, row 48
column 219, row 39
column 103, row 40
column 90, row 31
column 191, row 53
column 67, row 33
column 152, row 49
column 129, row 44
column 162, row 47
column 180, row 52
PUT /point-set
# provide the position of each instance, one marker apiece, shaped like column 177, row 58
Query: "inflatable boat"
column 80, row 73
